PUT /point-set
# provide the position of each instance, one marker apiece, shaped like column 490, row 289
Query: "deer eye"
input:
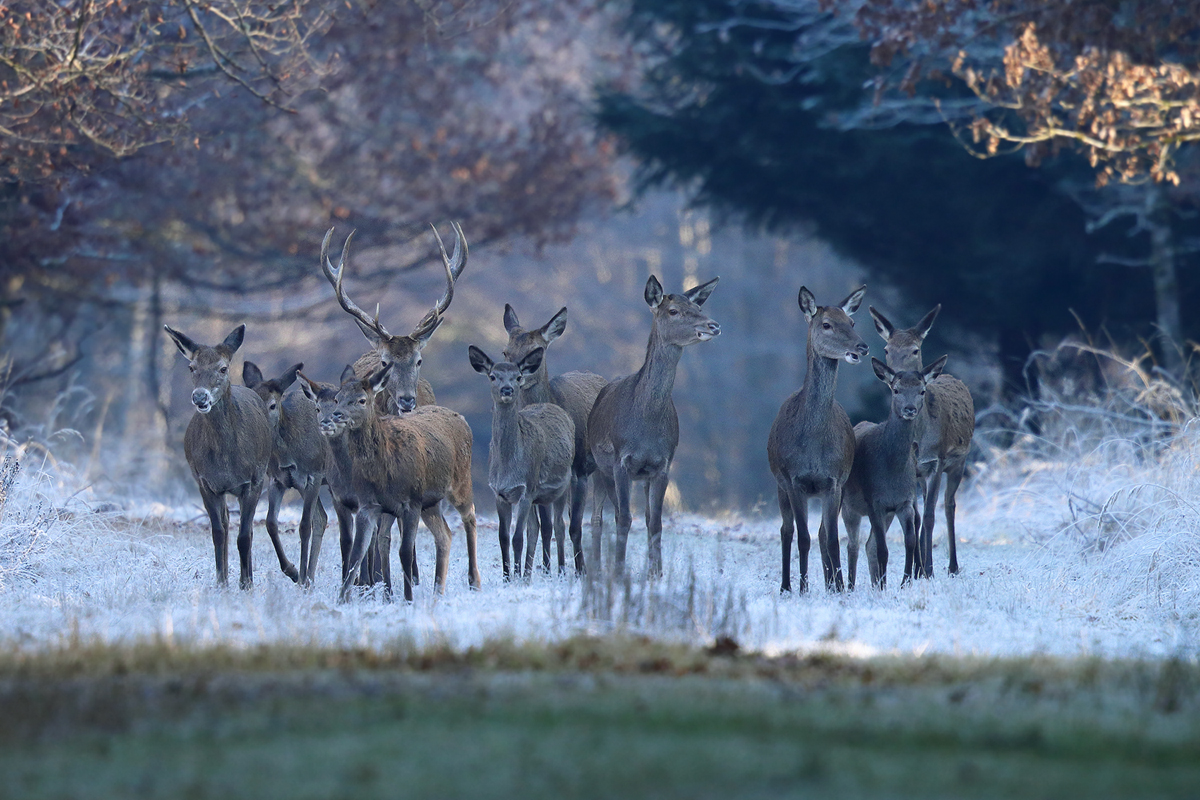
column 827, row 326
column 191, row 367
column 419, row 362
column 916, row 351
column 362, row 401
column 674, row 312
column 224, row 370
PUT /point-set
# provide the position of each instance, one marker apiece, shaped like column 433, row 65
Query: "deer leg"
column 925, row 540
column 504, row 514
column 877, row 549
column 799, row 503
column 519, row 538
column 912, row 544
column 786, row 533
column 656, row 492
column 318, row 520
column 579, row 492
column 543, row 512
column 467, row 512
column 560, row 537
column 218, row 518
column 852, row 522
column 275, row 491
column 602, row 490
column 366, row 520
column 408, row 522
column 622, row 484
column 954, row 477
column 247, row 502
column 372, row 569
column 442, row 536
column 831, row 505
column 345, row 520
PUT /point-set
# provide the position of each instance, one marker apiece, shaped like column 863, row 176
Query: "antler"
column 454, row 264
column 336, row 276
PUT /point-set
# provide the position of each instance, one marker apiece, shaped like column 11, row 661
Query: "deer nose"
column 406, row 404
column 201, row 399
column 506, row 391
column 714, row 328
column 863, row 350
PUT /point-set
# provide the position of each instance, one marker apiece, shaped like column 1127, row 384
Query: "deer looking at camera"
column 299, row 458
column 633, row 428
column 529, row 460
column 403, row 466
column 574, row 392
column 405, row 389
column 227, row 445
column 811, row 444
column 944, row 429
column 883, row 480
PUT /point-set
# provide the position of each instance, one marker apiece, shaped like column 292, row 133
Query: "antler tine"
column 454, row 264
column 337, row 275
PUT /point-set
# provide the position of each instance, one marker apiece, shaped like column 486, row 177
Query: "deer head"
column 908, row 386
column 831, row 332
column 271, row 391
column 507, row 378
column 401, row 352
column 354, row 405
column 678, row 319
column 903, row 347
column 209, row 366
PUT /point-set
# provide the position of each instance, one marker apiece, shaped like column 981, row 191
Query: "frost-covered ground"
column 1096, row 552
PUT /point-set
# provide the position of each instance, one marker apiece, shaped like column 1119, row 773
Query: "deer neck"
column 820, row 381
column 898, row 435
column 656, row 379
column 506, row 430
column 537, row 388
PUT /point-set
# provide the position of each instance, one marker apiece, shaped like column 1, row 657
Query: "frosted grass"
column 1086, row 549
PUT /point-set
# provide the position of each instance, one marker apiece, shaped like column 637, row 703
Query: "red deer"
column 406, row 389
column 945, row 428
column 811, row 444
column 575, row 392
column 529, row 460
column 404, row 465
column 299, row 458
column 633, row 428
column 227, row 445
column 883, row 480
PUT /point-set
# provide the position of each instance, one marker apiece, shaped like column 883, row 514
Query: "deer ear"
column 922, row 327
column 882, row 371
column 185, row 345
column 510, row 319
column 883, row 327
column 532, row 362
column 234, row 340
column 698, row 294
column 851, row 303
column 480, row 361
column 379, row 377
column 808, row 303
column 307, row 386
column 251, row 375
column 289, row 377
column 426, row 327
column 654, row 292
column 348, row 374
column 555, row 327
column 935, row 369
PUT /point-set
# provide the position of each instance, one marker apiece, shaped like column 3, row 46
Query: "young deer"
column 227, row 445
column 575, row 392
column 945, row 429
column 404, row 465
column 406, row 389
column 883, row 480
column 299, row 458
column 529, row 460
column 633, row 428
column 811, row 444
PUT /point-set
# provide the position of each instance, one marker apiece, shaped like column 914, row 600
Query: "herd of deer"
column 388, row 453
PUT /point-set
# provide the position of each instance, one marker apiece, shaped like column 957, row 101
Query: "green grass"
column 589, row 718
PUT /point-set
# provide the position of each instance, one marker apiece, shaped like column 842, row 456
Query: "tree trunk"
column 1166, row 282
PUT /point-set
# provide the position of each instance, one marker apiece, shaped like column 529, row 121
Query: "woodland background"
column 1027, row 165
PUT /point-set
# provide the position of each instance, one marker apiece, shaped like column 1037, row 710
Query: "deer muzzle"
column 707, row 331
column 203, row 400
column 859, row 352
column 406, row 404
